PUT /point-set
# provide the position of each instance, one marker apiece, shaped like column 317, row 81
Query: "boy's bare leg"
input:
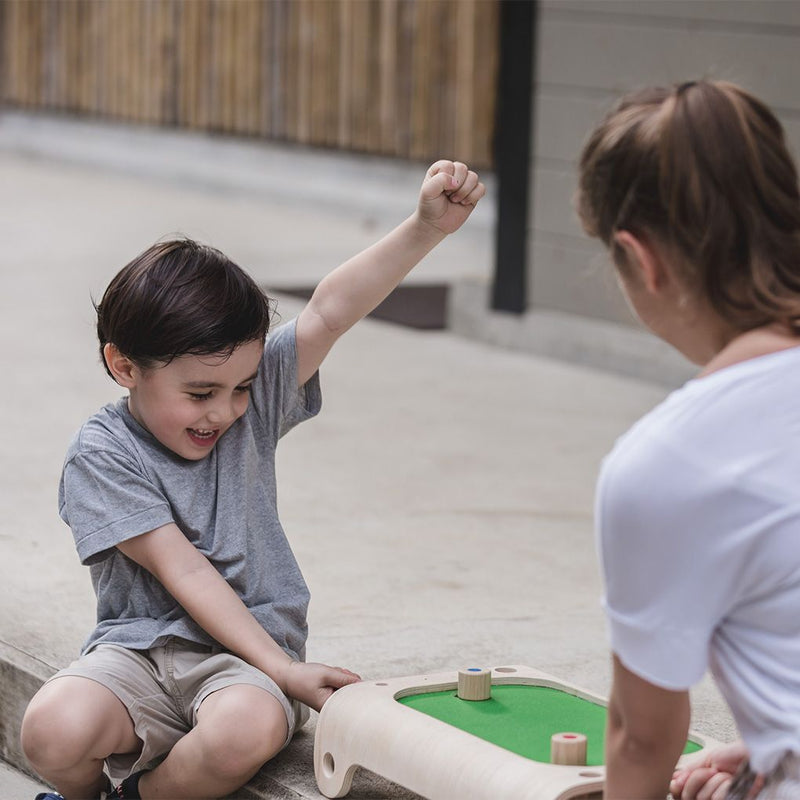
column 238, row 729
column 70, row 727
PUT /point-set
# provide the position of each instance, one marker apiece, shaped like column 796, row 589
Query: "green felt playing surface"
column 522, row 718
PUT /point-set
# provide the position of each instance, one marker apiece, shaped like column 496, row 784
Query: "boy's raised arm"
column 346, row 295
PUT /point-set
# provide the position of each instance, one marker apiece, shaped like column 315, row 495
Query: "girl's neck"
column 751, row 344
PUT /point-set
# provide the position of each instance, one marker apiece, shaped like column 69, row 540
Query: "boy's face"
column 189, row 403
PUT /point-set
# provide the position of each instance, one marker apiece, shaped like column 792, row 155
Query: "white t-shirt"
column 698, row 525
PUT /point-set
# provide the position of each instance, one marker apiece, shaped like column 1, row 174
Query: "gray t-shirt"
column 119, row 482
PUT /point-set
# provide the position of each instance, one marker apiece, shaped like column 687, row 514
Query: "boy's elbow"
column 322, row 318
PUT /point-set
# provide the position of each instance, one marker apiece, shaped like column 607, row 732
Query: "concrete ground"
column 15, row 784
column 441, row 504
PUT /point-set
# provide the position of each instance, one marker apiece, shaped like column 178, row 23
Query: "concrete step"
column 16, row 785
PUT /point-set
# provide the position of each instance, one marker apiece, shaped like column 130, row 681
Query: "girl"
column 693, row 191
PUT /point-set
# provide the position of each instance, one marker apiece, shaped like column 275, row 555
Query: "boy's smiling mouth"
column 203, row 437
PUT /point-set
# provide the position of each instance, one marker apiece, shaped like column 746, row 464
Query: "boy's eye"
column 206, row 395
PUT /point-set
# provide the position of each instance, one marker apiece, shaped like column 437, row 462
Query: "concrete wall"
column 588, row 52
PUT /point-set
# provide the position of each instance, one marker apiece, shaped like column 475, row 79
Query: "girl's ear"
column 642, row 260
column 121, row 367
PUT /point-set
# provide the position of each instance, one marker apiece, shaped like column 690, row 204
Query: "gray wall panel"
column 553, row 210
column 591, row 51
column 615, row 55
column 563, row 122
column 578, row 280
column 720, row 12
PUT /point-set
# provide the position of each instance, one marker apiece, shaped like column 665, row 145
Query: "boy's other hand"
column 313, row 684
column 448, row 195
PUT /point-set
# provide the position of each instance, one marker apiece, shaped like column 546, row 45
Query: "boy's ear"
column 642, row 260
column 120, row 366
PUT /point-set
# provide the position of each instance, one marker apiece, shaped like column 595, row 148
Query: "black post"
column 512, row 151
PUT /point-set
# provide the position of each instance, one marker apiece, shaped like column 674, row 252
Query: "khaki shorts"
column 162, row 689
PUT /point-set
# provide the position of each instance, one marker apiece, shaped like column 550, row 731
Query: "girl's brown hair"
column 703, row 168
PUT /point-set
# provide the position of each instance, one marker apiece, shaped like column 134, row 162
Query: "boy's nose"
column 221, row 414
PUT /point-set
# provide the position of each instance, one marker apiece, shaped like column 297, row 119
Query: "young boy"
column 194, row 676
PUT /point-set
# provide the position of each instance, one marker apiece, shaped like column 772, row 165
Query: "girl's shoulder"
column 756, row 391
column 732, row 428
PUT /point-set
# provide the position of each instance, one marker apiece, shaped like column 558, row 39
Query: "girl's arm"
column 208, row 599
column 645, row 736
column 346, row 295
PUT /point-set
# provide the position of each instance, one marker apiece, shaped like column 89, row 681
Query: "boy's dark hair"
column 180, row 298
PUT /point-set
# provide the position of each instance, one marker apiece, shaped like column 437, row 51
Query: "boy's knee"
column 62, row 727
column 48, row 738
column 242, row 736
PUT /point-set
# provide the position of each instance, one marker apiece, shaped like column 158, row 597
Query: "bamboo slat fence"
column 407, row 78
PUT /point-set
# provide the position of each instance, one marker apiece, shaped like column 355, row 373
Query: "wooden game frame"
column 363, row 725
